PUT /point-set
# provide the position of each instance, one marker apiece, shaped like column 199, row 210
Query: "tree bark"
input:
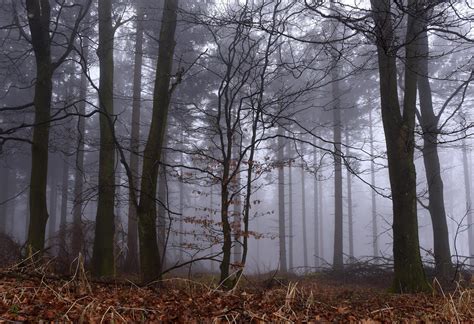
column 103, row 251
column 281, row 203
column 409, row 275
column 350, row 219
column 429, row 125
column 162, row 209
column 39, row 13
column 290, row 214
column 338, row 261
column 150, row 261
column 131, row 263
column 237, row 222
column 303, row 215
column 4, row 193
column 64, row 200
column 53, row 198
column 77, row 236
column 467, row 190
column 317, row 253
column 375, row 237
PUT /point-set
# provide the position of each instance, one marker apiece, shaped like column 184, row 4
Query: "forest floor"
column 317, row 297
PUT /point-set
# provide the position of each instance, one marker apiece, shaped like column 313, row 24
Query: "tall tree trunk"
column 290, row 214
column 375, row 235
column 281, row 203
column 338, row 257
column 226, row 229
column 303, row 215
column 317, row 253
column 77, row 237
column 467, row 187
column 211, row 214
column 53, row 198
column 11, row 221
column 429, row 124
column 39, row 13
column 409, row 275
column 237, row 218
column 131, row 262
column 349, row 200
column 321, row 219
column 103, row 251
column 4, row 196
column 162, row 209
column 150, row 261
column 181, row 207
column 64, row 200
column 338, row 261
column 4, row 192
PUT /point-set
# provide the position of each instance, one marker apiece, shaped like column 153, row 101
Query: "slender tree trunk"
column 4, row 193
column 103, row 251
column 338, row 261
column 162, row 209
column 317, row 253
column 321, row 218
column 181, row 208
column 39, row 13
column 375, row 237
column 409, row 275
column 429, row 124
column 349, row 201
column 281, row 203
column 11, row 220
column 64, row 200
column 150, row 260
column 77, row 237
column 467, row 190
column 237, row 220
column 131, row 262
column 290, row 214
column 53, row 198
column 303, row 214
column 338, row 257
column 226, row 229
column 211, row 214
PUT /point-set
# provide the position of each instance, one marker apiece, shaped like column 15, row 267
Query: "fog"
column 258, row 120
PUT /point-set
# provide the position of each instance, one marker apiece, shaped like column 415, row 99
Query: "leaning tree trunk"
column 409, row 275
column 281, row 203
column 39, row 13
column 103, row 251
column 150, row 261
column 429, row 124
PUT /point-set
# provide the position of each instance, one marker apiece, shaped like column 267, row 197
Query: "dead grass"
column 26, row 297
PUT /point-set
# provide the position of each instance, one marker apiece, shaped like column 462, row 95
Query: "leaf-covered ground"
column 26, row 297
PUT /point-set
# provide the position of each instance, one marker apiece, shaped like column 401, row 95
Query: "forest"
column 236, row 160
